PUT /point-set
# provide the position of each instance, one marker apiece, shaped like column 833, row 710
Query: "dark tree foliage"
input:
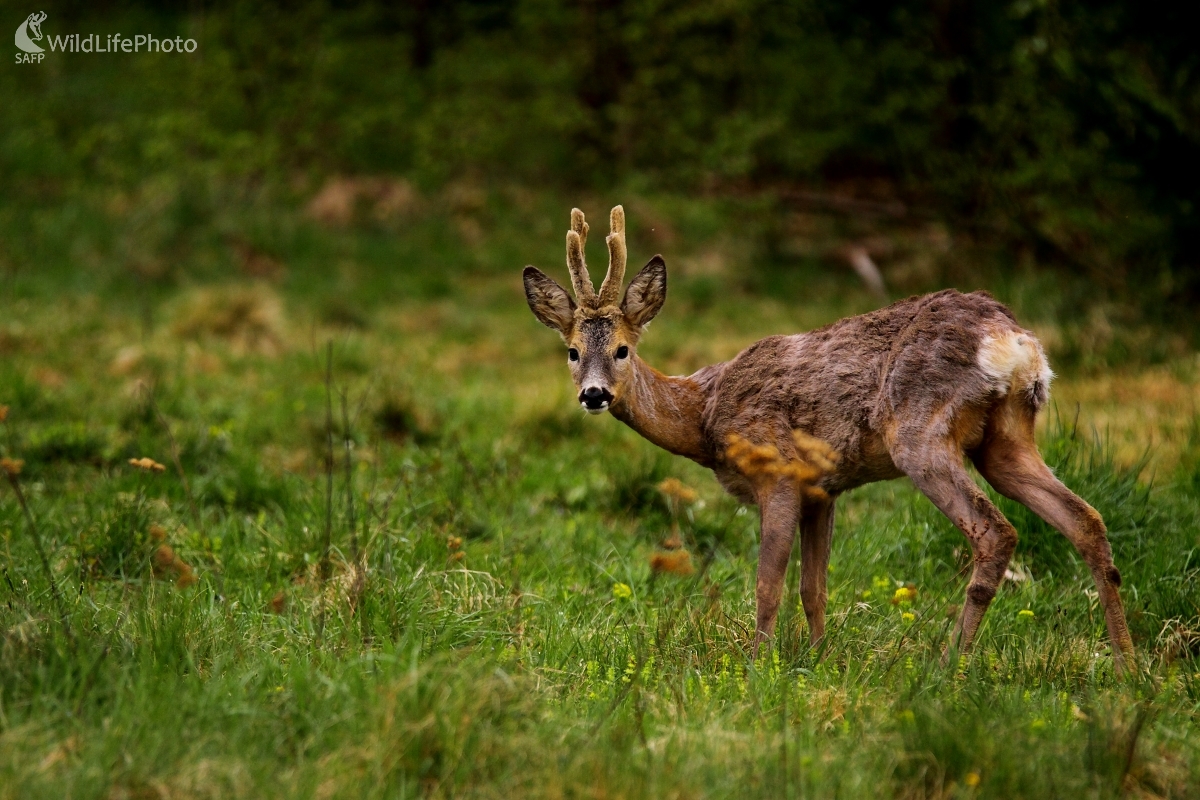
column 1072, row 128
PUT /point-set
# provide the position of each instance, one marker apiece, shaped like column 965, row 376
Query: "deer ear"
column 548, row 301
column 646, row 293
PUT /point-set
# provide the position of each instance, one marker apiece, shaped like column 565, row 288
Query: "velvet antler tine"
column 610, row 290
column 576, row 265
column 579, row 225
column 580, row 279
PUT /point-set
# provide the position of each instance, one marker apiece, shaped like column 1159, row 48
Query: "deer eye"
column 622, row 352
column 573, row 354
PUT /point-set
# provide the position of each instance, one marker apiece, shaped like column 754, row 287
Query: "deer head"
column 35, row 21
column 601, row 335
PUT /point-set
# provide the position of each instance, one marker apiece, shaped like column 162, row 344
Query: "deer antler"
column 610, row 290
column 576, row 239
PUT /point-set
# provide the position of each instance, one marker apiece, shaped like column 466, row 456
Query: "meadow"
column 378, row 551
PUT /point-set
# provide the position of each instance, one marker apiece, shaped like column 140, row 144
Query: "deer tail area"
column 1016, row 365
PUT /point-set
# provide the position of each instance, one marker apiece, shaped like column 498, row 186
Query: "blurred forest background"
column 1063, row 135
column 310, row 509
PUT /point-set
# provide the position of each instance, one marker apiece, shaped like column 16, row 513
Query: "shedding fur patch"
column 1014, row 362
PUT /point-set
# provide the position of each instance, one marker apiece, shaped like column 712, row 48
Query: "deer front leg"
column 816, row 537
column 780, row 513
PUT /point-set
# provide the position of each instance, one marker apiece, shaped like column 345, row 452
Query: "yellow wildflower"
column 905, row 594
column 1025, row 613
column 908, row 616
column 621, row 591
column 971, row 779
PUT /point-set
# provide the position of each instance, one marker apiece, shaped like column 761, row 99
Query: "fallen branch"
column 861, row 263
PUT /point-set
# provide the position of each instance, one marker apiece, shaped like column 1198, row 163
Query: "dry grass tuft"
column 343, row 589
column 678, row 492
column 127, row 360
column 342, row 200
column 1138, row 410
column 675, row 562
column 49, row 378
column 249, row 318
column 167, row 564
column 1178, row 640
column 764, row 465
column 255, row 263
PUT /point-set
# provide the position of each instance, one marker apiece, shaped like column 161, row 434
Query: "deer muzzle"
column 595, row 399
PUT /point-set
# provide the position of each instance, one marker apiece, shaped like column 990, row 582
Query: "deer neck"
column 667, row 411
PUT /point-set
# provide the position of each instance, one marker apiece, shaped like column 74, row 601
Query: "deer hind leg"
column 780, row 510
column 938, row 471
column 1010, row 462
column 816, row 537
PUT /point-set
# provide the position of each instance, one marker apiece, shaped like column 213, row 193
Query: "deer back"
column 865, row 382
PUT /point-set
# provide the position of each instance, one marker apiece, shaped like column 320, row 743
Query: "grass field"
column 490, row 624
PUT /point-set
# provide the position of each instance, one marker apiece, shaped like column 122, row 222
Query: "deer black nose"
column 595, row 398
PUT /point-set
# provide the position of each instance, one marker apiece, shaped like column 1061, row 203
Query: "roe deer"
column 910, row 389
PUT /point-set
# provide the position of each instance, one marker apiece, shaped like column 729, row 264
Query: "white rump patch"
column 1015, row 362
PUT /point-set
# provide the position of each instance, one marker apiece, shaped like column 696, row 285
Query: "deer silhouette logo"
column 31, row 30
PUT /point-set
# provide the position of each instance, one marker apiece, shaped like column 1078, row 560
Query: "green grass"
column 513, row 670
